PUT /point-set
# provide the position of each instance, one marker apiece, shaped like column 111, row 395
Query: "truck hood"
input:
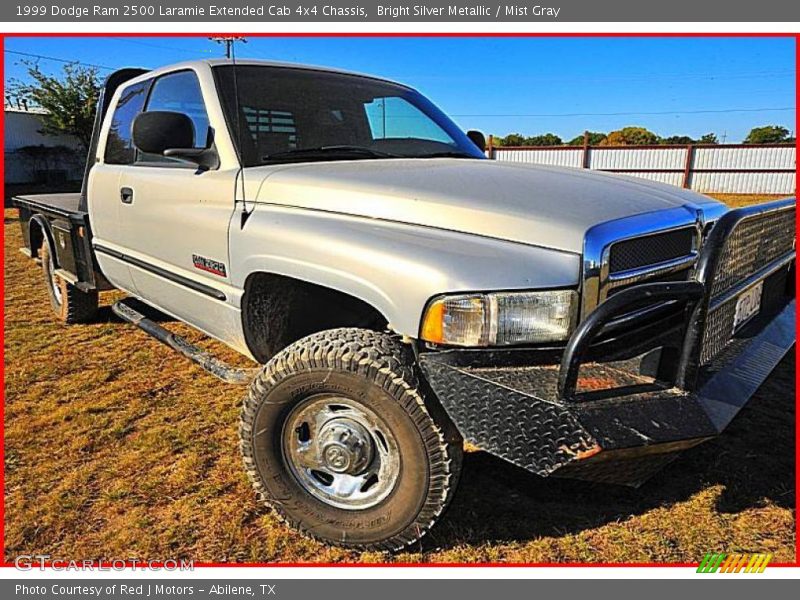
column 531, row 204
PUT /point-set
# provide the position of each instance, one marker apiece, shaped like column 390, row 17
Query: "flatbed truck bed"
column 59, row 218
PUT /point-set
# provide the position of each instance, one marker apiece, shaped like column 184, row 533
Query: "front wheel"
column 337, row 437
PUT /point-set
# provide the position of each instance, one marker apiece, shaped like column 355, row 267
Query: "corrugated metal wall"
column 560, row 158
column 748, row 160
column 733, row 169
column 22, row 129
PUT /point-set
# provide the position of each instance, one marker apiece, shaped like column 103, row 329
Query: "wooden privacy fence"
column 722, row 168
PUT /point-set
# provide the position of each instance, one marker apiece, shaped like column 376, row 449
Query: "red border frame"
column 795, row 36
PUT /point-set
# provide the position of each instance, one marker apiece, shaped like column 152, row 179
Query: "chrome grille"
column 719, row 329
column 651, row 249
column 755, row 245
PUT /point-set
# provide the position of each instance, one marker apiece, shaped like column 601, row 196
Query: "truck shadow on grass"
column 753, row 462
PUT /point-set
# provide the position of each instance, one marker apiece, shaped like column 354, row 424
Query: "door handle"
column 126, row 195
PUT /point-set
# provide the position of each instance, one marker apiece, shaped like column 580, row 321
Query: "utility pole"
column 229, row 41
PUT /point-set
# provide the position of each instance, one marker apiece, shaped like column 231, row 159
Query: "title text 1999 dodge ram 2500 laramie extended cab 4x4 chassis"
column 402, row 292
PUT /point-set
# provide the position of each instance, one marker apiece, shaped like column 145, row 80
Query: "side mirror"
column 478, row 139
column 171, row 134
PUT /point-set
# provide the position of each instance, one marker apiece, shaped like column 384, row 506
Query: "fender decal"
column 209, row 265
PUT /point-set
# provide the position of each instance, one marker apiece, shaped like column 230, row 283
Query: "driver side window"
column 395, row 118
column 179, row 92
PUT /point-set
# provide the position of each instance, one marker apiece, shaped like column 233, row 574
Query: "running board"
column 216, row 367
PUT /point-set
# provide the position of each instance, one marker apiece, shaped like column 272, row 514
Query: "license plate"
column 748, row 305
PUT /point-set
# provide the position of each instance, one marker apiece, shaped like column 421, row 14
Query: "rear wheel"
column 70, row 304
column 337, row 437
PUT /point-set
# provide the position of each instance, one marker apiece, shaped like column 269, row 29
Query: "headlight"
column 500, row 319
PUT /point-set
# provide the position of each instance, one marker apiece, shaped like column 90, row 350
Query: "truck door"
column 103, row 181
column 173, row 219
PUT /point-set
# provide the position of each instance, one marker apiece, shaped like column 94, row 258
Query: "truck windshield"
column 300, row 115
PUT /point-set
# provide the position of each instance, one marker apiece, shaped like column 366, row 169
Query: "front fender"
column 394, row 267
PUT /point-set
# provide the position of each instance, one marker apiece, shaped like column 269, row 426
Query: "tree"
column 512, row 139
column 769, row 134
column 677, row 140
column 69, row 99
column 595, row 138
column 630, row 136
column 547, row 139
column 709, row 138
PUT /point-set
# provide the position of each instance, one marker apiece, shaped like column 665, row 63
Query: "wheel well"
column 35, row 237
column 278, row 310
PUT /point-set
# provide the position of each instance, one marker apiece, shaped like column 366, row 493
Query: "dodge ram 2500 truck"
column 403, row 293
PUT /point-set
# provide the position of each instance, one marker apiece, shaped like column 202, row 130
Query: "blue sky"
column 526, row 85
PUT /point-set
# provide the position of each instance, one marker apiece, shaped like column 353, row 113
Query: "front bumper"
column 618, row 420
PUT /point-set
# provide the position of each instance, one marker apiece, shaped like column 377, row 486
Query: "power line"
column 689, row 75
column 61, row 60
column 591, row 78
column 625, row 114
column 230, row 40
column 104, row 67
column 160, row 46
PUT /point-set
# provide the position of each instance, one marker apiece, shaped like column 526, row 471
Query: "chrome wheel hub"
column 345, row 446
column 341, row 452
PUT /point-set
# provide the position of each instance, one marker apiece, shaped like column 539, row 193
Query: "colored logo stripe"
column 734, row 563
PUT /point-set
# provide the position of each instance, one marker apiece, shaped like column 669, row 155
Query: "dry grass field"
column 117, row 448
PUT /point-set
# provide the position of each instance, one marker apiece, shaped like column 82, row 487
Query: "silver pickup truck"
column 402, row 293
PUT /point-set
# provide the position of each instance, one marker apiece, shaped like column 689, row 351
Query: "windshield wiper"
column 327, row 151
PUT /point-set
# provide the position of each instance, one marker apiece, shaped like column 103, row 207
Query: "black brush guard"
column 638, row 412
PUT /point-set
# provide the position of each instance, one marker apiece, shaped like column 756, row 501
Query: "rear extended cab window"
column 119, row 144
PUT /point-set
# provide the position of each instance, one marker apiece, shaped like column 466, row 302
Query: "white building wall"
column 22, row 128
